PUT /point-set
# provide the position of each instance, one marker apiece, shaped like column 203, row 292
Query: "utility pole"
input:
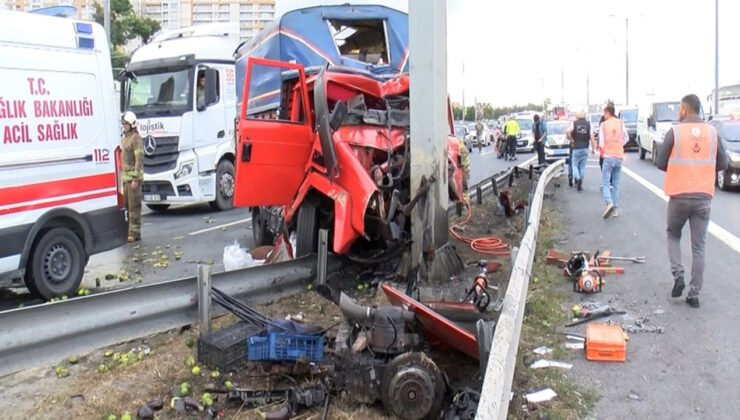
column 562, row 85
column 463, row 101
column 428, row 103
column 106, row 20
column 588, row 93
column 627, row 61
column 715, row 109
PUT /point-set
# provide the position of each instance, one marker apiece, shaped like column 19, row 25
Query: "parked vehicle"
column 472, row 137
column 557, row 144
column 461, row 132
column 652, row 124
column 60, row 192
column 594, row 119
column 336, row 137
column 728, row 129
column 629, row 117
column 525, row 139
column 728, row 100
column 188, row 129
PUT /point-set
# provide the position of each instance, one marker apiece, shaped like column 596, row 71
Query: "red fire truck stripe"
column 33, row 192
column 56, row 202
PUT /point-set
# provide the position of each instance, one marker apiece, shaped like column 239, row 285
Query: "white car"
column 652, row 124
column 525, row 139
column 472, row 136
column 557, row 144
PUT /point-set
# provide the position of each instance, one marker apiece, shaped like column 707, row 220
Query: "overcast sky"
column 515, row 51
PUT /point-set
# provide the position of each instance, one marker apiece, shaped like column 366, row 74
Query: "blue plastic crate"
column 280, row 347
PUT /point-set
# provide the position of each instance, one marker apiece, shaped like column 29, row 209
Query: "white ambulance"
column 60, row 195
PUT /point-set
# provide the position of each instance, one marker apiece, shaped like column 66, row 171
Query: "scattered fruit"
column 108, row 353
column 112, row 417
column 64, row 297
column 189, row 341
column 125, row 416
column 229, row 384
column 195, row 370
column 215, row 374
column 102, row 368
column 111, row 276
column 207, row 399
column 73, row 359
column 190, row 361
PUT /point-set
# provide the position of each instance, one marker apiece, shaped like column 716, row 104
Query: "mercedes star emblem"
column 150, row 145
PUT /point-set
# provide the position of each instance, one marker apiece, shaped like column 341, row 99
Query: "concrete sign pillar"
column 429, row 128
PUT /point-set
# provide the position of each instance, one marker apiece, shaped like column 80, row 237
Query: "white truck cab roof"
column 206, row 42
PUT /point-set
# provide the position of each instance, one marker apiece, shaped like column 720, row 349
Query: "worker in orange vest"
column 612, row 138
column 691, row 155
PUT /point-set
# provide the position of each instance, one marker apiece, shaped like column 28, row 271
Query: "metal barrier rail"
column 48, row 332
column 495, row 394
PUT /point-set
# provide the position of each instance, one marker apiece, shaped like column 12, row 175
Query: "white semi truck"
column 182, row 88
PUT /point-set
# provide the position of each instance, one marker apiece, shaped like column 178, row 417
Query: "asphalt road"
column 484, row 163
column 692, row 369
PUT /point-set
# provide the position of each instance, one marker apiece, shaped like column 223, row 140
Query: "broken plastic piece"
column 544, row 363
column 542, row 350
column 539, row 396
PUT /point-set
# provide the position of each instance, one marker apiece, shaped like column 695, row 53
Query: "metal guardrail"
column 46, row 333
column 495, row 394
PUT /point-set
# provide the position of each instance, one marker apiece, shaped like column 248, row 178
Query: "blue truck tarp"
column 313, row 37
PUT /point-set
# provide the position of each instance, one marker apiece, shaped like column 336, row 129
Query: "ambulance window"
column 273, row 95
column 361, row 40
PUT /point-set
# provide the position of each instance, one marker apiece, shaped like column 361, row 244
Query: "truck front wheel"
column 224, row 186
column 260, row 232
column 56, row 265
column 306, row 229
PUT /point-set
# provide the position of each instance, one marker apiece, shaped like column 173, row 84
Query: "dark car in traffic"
column 728, row 130
column 629, row 116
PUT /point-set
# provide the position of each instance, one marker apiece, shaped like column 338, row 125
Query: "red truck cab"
column 329, row 148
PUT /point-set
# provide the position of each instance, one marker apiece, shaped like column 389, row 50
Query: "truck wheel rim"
column 57, row 263
column 721, row 178
column 226, row 184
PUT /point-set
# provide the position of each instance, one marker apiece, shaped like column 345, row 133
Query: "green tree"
column 457, row 112
column 125, row 23
column 487, row 111
column 470, row 113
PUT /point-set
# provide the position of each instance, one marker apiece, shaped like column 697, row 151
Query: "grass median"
column 545, row 312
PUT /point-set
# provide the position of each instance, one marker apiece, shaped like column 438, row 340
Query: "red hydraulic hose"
column 488, row 245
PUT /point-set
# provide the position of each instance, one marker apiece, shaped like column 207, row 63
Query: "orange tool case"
column 605, row 343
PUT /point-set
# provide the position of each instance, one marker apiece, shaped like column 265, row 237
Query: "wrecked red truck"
column 324, row 131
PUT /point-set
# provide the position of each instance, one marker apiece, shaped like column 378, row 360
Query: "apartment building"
column 85, row 8
column 252, row 15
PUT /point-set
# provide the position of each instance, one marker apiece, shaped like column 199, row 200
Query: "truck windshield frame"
column 160, row 91
column 666, row 111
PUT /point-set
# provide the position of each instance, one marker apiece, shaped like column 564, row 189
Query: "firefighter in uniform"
column 464, row 157
column 132, row 173
column 691, row 155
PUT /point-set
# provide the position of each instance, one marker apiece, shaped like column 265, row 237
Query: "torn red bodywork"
column 438, row 330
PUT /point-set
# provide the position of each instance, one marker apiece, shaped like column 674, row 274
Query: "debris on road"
column 545, row 363
column 542, row 350
column 640, row 326
column 605, row 343
column 540, row 396
column 575, row 345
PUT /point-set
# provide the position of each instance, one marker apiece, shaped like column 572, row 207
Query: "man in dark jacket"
column 579, row 135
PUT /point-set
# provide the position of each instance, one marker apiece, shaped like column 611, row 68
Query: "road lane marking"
column 718, row 231
column 238, row 222
column 486, row 153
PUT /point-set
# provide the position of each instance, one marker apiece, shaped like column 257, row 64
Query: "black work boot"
column 570, row 181
column 579, row 184
column 678, row 286
column 693, row 301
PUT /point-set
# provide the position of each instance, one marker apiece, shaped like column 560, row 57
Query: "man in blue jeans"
column 612, row 138
column 580, row 136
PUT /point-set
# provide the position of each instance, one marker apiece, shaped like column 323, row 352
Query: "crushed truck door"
column 275, row 134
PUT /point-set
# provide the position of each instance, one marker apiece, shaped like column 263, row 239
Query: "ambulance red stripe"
column 57, row 202
column 44, row 190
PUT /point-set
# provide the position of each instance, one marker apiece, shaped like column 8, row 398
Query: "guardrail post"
column 511, row 179
column 323, row 253
column 204, row 297
column 479, row 195
column 459, row 208
column 494, row 185
column 516, row 171
column 531, row 169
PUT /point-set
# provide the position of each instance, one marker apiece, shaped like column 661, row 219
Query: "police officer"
column 691, row 155
column 132, row 173
column 511, row 130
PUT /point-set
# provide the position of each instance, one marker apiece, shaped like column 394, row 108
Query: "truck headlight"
column 734, row 156
column 185, row 170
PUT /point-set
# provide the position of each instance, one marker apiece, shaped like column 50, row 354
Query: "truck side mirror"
column 651, row 122
column 211, row 89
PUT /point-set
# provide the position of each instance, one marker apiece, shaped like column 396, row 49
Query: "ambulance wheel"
column 224, row 186
column 56, row 265
column 158, row 207
column 306, row 229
